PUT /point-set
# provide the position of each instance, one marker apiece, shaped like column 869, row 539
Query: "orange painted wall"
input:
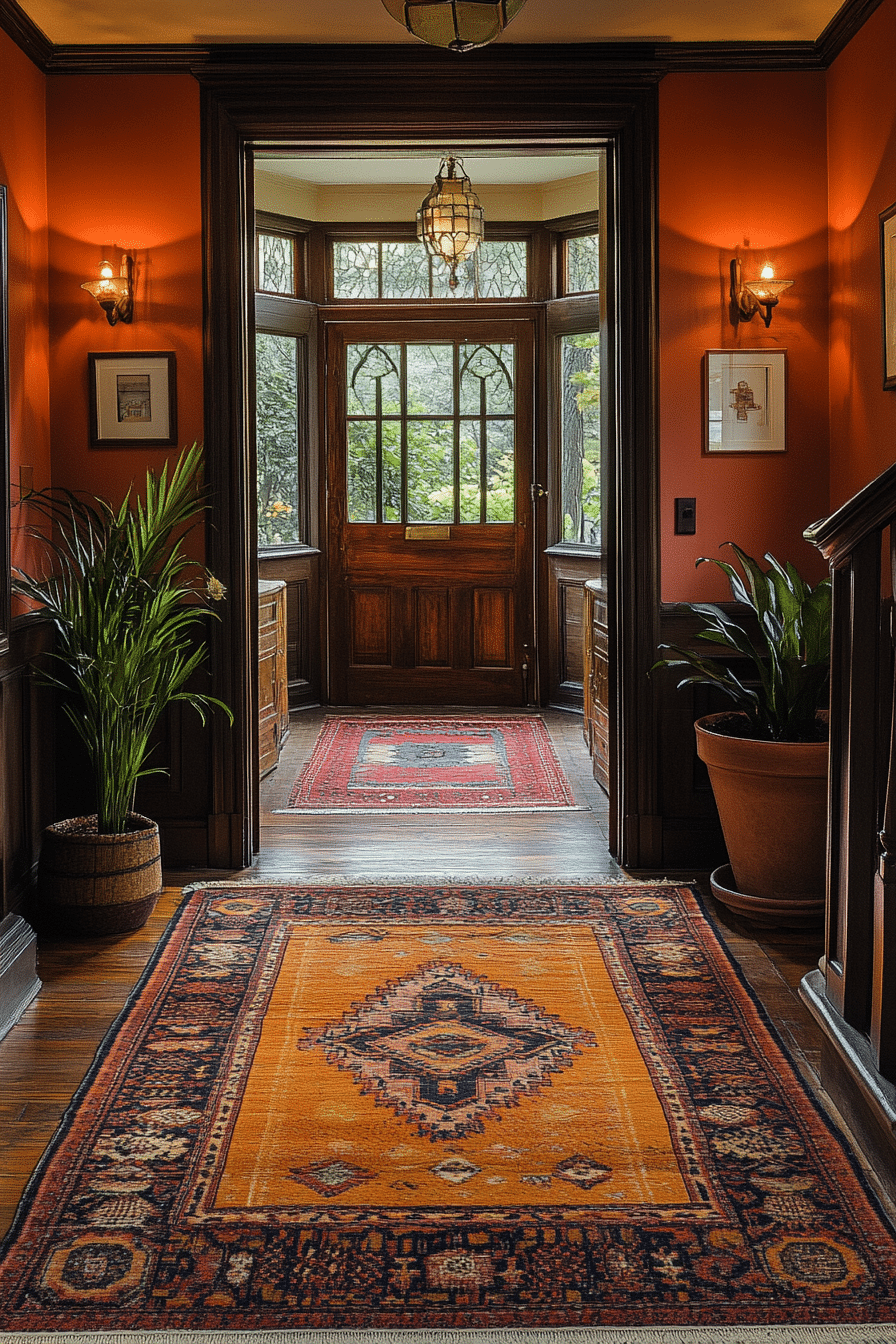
column 862, row 163
column 742, row 157
column 23, row 172
column 123, row 173
column 742, row 170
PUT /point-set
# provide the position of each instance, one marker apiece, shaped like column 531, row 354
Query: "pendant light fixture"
column 459, row 25
column 450, row 220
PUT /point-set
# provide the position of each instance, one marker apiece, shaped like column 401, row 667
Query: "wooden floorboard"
column 45, row 1057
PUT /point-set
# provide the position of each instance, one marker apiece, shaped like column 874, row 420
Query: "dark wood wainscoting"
column 692, row 836
column 27, row 756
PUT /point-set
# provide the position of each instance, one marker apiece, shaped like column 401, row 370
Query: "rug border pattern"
column 753, row 1016
column 320, row 762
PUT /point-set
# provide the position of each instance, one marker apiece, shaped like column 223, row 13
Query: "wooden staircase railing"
column 854, row 993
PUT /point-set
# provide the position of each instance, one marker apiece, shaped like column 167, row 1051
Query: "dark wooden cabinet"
column 273, row 688
column 596, row 634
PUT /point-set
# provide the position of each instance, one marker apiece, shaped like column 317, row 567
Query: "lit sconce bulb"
column 113, row 292
column 752, row 296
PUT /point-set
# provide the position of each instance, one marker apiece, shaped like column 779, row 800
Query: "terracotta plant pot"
column 98, row 884
column 772, row 803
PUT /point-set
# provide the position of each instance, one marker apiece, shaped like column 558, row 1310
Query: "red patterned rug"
column 479, row 763
column 399, row 1108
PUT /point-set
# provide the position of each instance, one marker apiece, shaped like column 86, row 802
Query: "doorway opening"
column 338, row 102
column 443, row 509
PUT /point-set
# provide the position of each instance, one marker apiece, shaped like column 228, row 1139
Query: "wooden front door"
column 430, row 512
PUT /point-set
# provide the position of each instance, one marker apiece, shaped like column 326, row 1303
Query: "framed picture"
column 888, row 294
column 745, row 401
column 133, row 399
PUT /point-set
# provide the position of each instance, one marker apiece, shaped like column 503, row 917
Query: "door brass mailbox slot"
column 428, row 532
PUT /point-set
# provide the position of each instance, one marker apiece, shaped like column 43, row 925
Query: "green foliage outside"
column 580, row 438
column 276, row 437
column 481, row 410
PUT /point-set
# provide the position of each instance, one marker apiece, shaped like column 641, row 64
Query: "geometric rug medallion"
column 476, row 763
column 493, row 1107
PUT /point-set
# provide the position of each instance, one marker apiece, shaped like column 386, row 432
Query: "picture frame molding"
column 107, row 430
column 768, row 433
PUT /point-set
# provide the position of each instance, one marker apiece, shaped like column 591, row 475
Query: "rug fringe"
column 420, row 811
column 660, row 1334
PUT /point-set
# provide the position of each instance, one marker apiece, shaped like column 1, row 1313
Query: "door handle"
column 538, row 491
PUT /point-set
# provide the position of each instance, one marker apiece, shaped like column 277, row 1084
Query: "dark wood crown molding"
column 647, row 60
column 731, row 57
column 25, row 33
column 622, row 58
column 843, row 28
column 124, row 60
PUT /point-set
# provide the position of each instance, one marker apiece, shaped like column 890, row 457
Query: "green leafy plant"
column 125, row 602
column 790, row 661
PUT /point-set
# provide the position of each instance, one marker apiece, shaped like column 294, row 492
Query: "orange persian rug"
column 419, row 1108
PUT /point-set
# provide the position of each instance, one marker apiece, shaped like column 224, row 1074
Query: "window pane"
column 502, row 269
column 277, row 439
column 382, row 269
column 441, row 278
column 391, row 438
column 470, row 486
column 374, row 379
column 583, row 264
column 356, row 271
column 580, row 438
column 486, row 382
column 361, row 471
column 430, row 379
column 500, row 473
column 405, row 271
column 431, row 471
column 276, row 264
column 403, row 423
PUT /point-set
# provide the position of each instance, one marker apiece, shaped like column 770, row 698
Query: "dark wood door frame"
column 519, row 98
column 429, row 588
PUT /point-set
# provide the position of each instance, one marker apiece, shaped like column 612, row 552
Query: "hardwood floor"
column 85, row 984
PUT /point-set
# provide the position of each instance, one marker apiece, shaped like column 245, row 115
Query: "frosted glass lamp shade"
column 450, row 220
column 457, row 24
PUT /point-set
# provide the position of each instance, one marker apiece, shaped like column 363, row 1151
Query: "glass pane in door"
column 431, row 432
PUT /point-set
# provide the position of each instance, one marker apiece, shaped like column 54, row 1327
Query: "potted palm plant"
column 125, row 601
column 767, row 757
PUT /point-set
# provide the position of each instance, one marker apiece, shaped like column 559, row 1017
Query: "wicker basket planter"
column 99, row 884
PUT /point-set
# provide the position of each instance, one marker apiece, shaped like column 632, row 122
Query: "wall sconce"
column 114, row 293
column 755, row 295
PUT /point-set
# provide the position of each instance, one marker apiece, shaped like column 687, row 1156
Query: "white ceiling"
column 203, row 22
column 419, row 170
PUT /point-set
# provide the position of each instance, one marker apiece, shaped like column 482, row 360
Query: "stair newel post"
column 883, row 976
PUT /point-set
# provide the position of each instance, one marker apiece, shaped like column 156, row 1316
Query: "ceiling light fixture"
column 752, row 296
column 458, row 25
column 114, row 293
column 450, row 220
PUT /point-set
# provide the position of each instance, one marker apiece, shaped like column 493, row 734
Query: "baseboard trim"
column 19, row 981
column 865, row 1099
